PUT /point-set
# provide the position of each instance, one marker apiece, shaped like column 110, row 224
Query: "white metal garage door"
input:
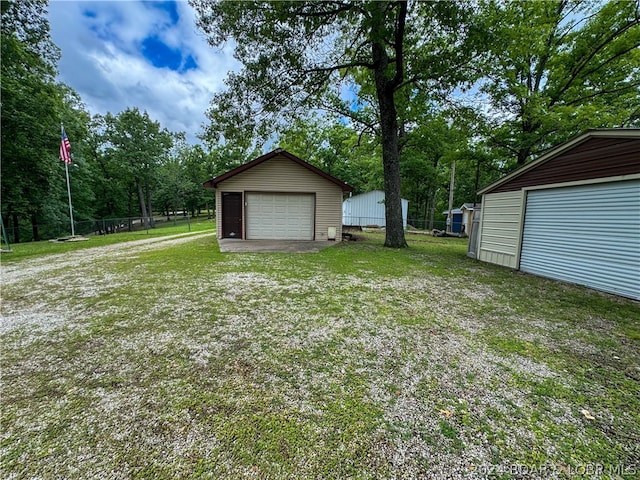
column 279, row 216
column 589, row 235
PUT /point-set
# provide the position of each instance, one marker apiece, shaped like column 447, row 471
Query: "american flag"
column 65, row 148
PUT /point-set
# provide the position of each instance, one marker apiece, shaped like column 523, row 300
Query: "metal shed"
column 368, row 209
column 573, row 214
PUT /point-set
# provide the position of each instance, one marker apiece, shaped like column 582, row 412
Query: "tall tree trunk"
column 385, row 88
column 143, row 206
column 432, row 209
column 152, row 221
column 130, row 202
column 427, row 204
column 16, row 227
column 391, row 167
column 527, row 140
column 523, row 154
column 34, row 228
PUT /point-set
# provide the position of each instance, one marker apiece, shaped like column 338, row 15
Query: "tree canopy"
column 555, row 69
column 297, row 56
column 33, row 106
column 382, row 94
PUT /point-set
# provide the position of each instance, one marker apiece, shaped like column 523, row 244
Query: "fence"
column 412, row 223
column 103, row 226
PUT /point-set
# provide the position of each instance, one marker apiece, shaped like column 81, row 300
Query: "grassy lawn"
column 34, row 249
column 355, row 362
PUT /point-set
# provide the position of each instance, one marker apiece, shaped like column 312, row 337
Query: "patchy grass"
column 177, row 361
column 20, row 251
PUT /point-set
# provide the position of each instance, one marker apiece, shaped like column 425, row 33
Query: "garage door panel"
column 589, row 235
column 274, row 216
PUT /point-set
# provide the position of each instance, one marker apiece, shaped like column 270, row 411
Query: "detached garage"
column 572, row 215
column 278, row 196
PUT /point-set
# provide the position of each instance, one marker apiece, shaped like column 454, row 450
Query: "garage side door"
column 280, row 216
column 589, row 235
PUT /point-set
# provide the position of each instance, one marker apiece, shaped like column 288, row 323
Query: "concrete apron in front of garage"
column 232, row 245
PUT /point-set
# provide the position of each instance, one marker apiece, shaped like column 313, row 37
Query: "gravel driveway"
column 49, row 272
column 43, row 266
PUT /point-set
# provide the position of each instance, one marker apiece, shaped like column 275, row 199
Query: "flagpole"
column 66, row 169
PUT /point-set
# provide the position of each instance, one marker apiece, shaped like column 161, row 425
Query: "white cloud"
column 102, row 59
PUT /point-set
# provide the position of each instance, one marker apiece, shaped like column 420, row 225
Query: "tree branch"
column 414, row 79
column 585, row 61
column 542, row 63
column 611, row 59
column 399, row 44
column 340, row 7
column 632, row 116
column 347, row 113
column 603, row 92
column 335, row 68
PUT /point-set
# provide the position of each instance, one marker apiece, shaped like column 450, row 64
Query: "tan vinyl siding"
column 501, row 227
column 218, row 210
column 281, row 175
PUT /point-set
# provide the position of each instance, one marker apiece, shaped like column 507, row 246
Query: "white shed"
column 368, row 209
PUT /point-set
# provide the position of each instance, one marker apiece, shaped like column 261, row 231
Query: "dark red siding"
column 595, row 158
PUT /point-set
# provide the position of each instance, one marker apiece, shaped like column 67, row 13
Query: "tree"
column 109, row 182
column 195, row 163
column 554, row 69
column 183, row 174
column 295, row 52
column 33, row 106
column 172, row 192
column 137, row 144
column 335, row 148
column 424, row 167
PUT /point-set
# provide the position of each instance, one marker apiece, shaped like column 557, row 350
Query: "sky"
column 128, row 53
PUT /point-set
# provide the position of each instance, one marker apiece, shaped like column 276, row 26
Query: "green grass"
column 355, row 362
column 20, row 251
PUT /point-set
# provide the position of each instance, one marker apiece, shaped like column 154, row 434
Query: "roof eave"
column 214, row 182
column 563, row 147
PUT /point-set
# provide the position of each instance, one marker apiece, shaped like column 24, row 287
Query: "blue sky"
column 150, row 55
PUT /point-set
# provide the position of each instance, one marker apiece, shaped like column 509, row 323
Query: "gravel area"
column 148, row 371
column 39, row 267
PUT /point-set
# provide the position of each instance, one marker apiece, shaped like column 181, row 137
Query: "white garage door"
column 589, row 235
column 280, row 216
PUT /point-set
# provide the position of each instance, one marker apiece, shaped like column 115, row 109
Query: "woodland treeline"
column 383, row 95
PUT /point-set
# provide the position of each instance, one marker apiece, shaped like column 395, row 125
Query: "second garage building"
column 572, row 215
column 278, row 196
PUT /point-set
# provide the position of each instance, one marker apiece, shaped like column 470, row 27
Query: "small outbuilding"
column 367, row 209
column 462, row 218
column 573, row 214
column 278, row 196
column 454, row 220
